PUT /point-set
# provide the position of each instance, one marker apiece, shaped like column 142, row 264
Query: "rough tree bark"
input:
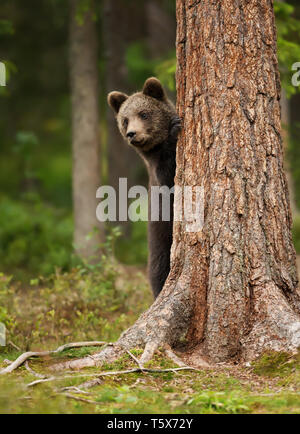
column 232, row 290
column 85, row 128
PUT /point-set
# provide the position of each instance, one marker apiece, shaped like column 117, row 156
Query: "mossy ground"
column 98, row 304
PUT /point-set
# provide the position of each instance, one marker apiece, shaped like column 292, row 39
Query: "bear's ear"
column 153, row 88
column 116, row 99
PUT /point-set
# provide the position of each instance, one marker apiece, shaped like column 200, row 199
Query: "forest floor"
column 98, row 303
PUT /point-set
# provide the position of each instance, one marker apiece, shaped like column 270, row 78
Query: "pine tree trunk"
column 232, row 291
column 128, row 18
column 229, row 97
column 85, row 129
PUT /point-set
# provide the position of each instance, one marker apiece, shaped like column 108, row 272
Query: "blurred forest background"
column 136, row 39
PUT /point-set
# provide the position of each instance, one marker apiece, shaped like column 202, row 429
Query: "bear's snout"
column 131, row 134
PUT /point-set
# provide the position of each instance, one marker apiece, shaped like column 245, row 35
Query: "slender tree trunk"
column 285, row 117
column 295, row 118
column 124, row 24
column 161, row 29
column 232, row 291
column 85, row 129
column 286, row 122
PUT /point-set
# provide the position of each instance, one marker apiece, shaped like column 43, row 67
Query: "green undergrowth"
column 98, row 303
column 220, row 391
column 87, row 303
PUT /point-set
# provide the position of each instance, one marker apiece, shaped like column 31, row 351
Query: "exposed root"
column 25, row 356
column 161, row 324
column 172, row 356
column 109, row 354
column 149, row 351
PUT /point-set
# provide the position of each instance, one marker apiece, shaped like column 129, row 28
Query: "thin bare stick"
column 14, row 346
column 136, row 360
column 45, row 380
column 63, row 377
column 72, row 389
column 89, row 384
column 78, row 398
column 109, row 373
column 25, row 356
column 36, row 374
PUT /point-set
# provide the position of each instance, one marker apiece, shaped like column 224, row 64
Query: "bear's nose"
column 131, row 134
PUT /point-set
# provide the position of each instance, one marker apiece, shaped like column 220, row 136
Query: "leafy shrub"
column 135, row 249
column 34, row 237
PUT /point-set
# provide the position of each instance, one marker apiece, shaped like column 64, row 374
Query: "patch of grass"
column 277, row 364
column 219, row 402
column 84, row 304
column 98, row 303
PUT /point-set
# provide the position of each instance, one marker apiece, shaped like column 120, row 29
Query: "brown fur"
column 149, row 122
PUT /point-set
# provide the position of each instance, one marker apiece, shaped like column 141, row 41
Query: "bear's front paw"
column 175, row 127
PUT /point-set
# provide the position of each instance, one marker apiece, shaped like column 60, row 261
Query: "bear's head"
column 143, row 118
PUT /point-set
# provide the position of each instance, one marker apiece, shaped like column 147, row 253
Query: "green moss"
column 276, row 364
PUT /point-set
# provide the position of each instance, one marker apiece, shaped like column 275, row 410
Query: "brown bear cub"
column 148, row 121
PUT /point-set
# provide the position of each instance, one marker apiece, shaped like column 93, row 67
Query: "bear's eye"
column 143, row 115
column 125, row 122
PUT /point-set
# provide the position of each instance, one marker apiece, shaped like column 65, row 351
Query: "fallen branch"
column 25, row 356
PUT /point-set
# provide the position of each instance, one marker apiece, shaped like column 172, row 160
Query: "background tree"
column 85, row 125
column 129, row 19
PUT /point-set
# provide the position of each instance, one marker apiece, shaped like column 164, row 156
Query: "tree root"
column 164, row 323
column 25, row 356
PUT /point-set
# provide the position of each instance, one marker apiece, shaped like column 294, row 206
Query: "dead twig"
column 14, row 346
column 78, row 398
column 36, row 374
column 140, row 365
